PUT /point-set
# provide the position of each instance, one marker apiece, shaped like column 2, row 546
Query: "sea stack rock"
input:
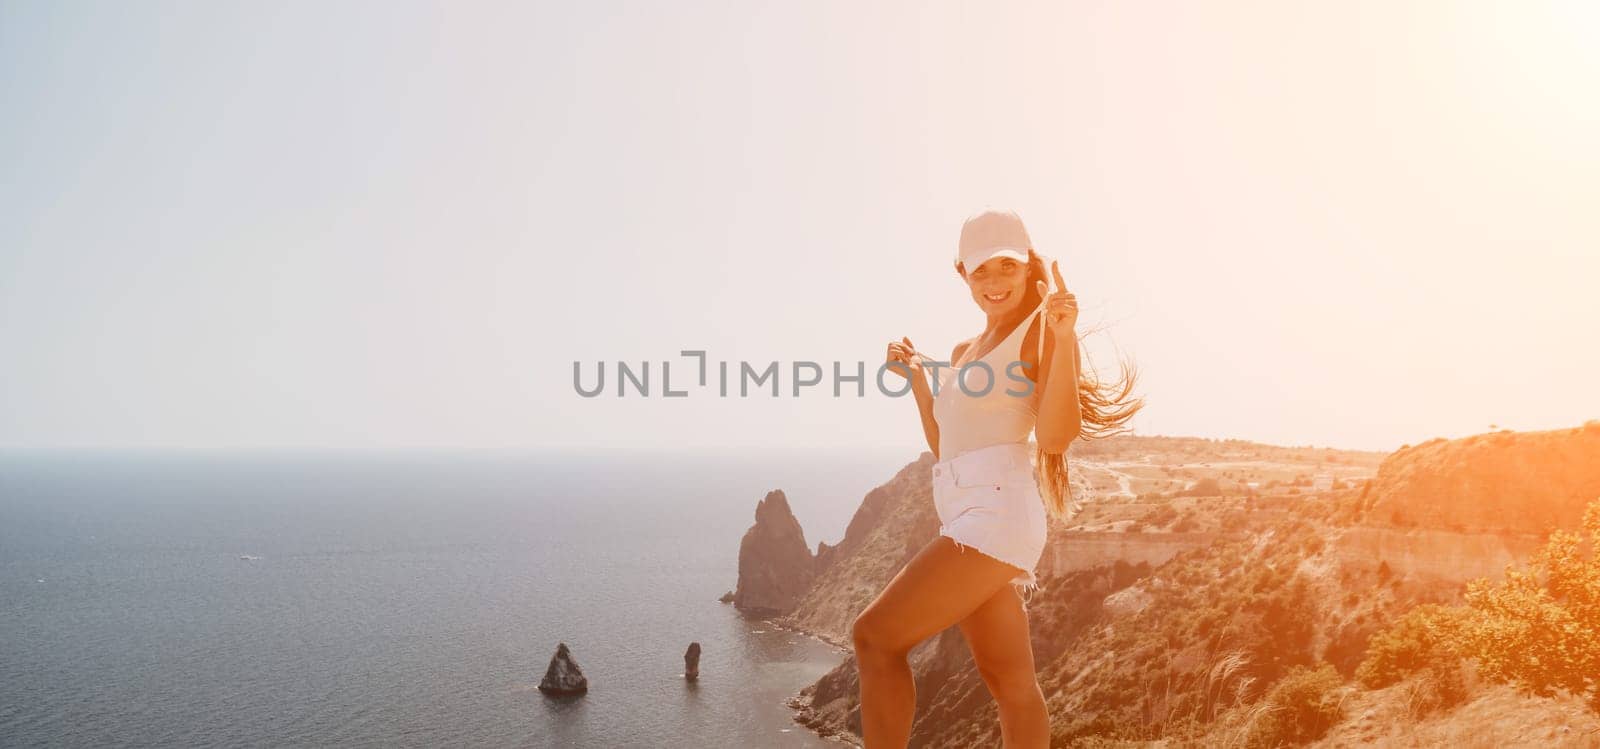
column 563, row 676
column 775, row 564
column 691, row 662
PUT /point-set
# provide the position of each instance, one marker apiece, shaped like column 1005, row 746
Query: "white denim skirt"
column 986, row 499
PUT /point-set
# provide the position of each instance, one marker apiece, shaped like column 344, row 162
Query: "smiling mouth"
column 997, row 297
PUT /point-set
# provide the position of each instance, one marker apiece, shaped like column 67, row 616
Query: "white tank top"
column 988, row 415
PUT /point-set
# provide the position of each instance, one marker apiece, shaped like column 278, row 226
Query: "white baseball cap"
column 992, row 233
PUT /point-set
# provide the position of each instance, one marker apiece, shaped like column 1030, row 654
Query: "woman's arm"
column 1060, row 415
column 904, row 359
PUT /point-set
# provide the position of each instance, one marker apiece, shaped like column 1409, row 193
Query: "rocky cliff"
column 954, row 706
column 1070, row 551
column 1291, row 579
column 1501, row 482
column 1454, row 510
column 893, row 522
column 897, row 518
column 775, row 565
column 1434, row 554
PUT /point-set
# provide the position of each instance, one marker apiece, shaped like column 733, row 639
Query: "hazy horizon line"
column 594, row 449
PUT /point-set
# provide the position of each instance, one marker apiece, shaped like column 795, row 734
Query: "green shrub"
column 1301, row 707
column 1422, row 652
column 1539, row 627
column 1427, row 637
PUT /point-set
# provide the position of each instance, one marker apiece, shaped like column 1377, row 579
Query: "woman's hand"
column 1061, row 308
column 903, row 358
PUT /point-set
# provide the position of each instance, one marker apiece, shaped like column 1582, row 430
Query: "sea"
column 213, row 598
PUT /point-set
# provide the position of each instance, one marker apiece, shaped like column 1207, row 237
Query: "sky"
column 374, row 225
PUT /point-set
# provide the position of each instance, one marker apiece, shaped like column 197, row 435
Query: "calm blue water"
column 398, row 599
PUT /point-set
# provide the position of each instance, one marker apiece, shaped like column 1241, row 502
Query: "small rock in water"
column 563, row 676
column 691, row 662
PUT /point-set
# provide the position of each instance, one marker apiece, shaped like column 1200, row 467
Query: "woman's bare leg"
column 940, row 586
column 997, row 634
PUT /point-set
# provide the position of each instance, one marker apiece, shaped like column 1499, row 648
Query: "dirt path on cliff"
column 1124, row 481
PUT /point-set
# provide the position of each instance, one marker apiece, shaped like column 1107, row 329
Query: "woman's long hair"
column 1107, row 406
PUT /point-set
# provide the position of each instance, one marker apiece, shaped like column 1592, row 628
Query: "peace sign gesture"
column 1061, row 307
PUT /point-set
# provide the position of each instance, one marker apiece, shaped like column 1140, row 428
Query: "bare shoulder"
column 955, row 353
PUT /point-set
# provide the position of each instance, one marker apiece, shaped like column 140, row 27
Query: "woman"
column 1022, row 374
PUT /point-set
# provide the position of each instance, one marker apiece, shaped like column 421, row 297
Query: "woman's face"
column 998, row 285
